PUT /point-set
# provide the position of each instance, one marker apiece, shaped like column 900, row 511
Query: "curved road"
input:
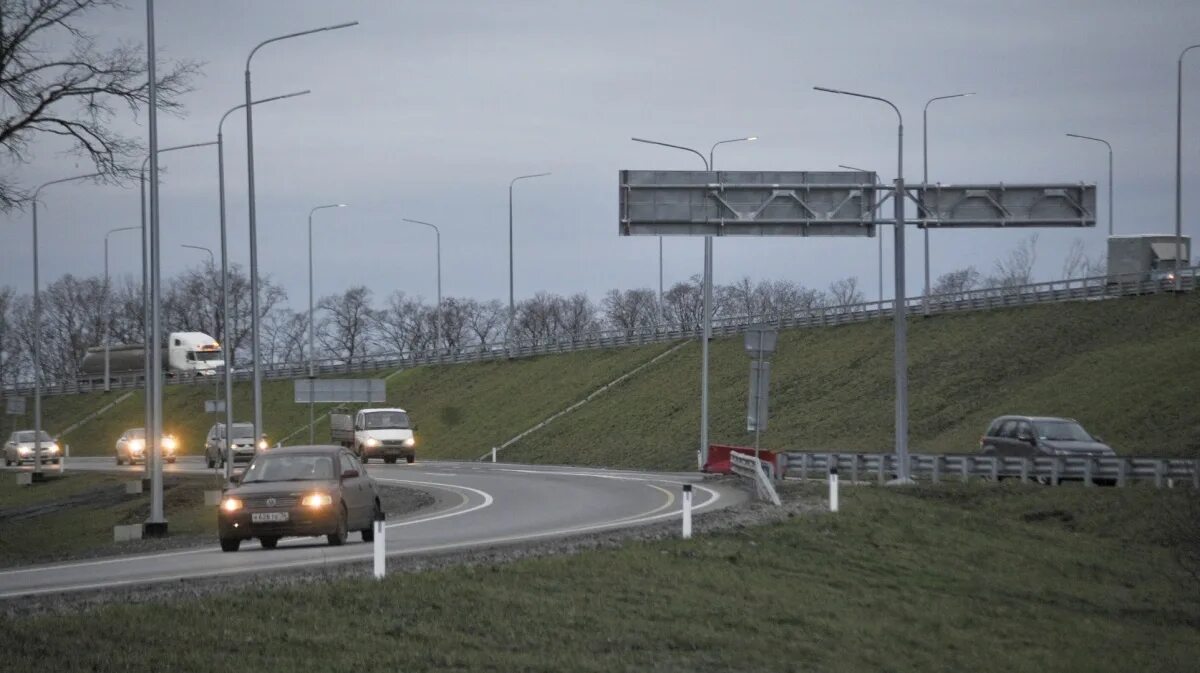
column 477, row 505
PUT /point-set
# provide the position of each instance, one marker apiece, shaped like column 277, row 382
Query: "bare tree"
column 1076, row 262
column 346, row 330
column 683, row 304
column 72, row 91
column 845, row 292
column 955, row 284
column 453, row 318
column 401, row 324
column 484, row 319
column 577, row 316
column 631, row 309
column 1016, row 268
column 10, row 353
column 285, row 336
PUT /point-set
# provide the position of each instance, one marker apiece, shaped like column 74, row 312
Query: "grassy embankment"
column 76, row 513
column 1122, row 367
column 976, row 578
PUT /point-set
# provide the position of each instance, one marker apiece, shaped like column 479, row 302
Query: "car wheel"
column 209, row 461
column 364, row 459
column 338, row 537
column 410, row 459
column 390, row 460
column 368, row 533
column 230, row 544
column 268, row 542
column 171, row 460
column 7, row 462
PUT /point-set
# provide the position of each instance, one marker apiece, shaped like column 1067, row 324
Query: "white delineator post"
column 833, row 489
column 687, row 511
column 493, row 454
column 380, row 546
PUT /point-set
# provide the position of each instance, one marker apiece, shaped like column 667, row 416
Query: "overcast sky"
column 427, row 110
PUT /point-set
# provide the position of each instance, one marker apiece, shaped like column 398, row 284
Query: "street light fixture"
column 512, row 309
column 225, row 313
column 107, row 313
column 1179, row 170
column 707, row 165
column 438, row 232
column 37, row 326
column 900, row 319
column 312, row 370
column 925, row 180
column 1110, row 175
column 254, row 316
column 878, row 236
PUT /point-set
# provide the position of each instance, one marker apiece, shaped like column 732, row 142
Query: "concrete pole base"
column 38, row 477
column 151, row 529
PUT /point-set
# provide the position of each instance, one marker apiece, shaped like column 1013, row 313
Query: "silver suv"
column 241, row 443
column 1040, row 436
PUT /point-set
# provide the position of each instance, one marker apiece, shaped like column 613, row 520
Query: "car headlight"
column 169, row 443
column 231, row 504
column 371, row 442
column 53, row 448
column 24, row 450
column 411, row 441
column 263, row 445
column 136, row 445
column 316, row 500
column 233, row 446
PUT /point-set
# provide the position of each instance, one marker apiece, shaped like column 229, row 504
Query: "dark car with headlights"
column 299, row 491
column 1041, row 436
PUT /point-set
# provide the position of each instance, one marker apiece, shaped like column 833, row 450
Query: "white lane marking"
column 487, row 502
column 440, row 474
column 714, row 497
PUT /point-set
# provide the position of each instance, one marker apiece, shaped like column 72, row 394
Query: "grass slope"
column 974, row 578
column 1124, row 368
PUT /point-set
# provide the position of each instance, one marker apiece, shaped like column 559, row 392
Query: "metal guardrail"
column 1076, row 289
column 1118, row 470
column 746, row 465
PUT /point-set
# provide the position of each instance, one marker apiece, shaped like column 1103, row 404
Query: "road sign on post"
column 340, row 390
column 760, row 344
column 14, row 406
column 214, row 406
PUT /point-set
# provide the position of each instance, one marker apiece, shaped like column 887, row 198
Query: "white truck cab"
column 376, row 433
column 194, row 352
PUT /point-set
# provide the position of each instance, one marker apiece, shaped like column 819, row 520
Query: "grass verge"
column 74, row 514
column 977, row 578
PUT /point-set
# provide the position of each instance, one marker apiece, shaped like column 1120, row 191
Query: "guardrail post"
column 854, row 467
column 1055, row 470
column 1087, row 471
column 996, row 468
column 1025, row 469
column 1159, row 467
column 936, row 476
column 1195, row 473
column 882, row 468
column 967, row 464
column 804, row 460
column 1122, row 471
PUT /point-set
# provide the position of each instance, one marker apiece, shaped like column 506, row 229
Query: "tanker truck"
column 185, row 353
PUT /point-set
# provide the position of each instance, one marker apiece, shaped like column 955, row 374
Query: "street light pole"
column 254, row 316
column 1110, row 175
column 156, row 525
column 438, row 232
column 901, row 325
column 1179, row 170
column 37, row 326
column 512, row 308
column 107, row 316
column 312, row 367
column 878, row 236
column 925, row 180
column 225, row 312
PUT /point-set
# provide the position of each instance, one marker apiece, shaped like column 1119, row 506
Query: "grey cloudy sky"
column 427, row 110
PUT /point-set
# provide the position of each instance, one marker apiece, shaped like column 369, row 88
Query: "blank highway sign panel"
column 1001, row 205
column 747, row 203
column 340, row 390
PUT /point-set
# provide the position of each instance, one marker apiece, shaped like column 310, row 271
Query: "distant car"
column 131, row 447
column 241, row 442
column 299, row 491
column 1040, row 436
column 20, row 448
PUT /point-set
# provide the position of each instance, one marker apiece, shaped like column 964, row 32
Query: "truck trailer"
column 185, row 353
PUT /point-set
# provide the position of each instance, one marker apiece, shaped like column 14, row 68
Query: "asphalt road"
column 477, row 505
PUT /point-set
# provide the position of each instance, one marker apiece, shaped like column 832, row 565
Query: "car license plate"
column 268, row 517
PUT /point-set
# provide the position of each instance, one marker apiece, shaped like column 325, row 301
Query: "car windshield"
column 385, row 420
column 27, row 436
column 289, row 467
column 205, row 356
column 136, row 433
column 1063, row 431
column 242, row 431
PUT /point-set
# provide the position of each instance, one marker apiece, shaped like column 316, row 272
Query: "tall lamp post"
column 1110, row 175
column 107, row 316
column 37, row 326
column 438, row 232
column 512, row 307
column 312, row 364
column 254, row 316
column 212, row 265
column 863, row 170
column 225, row 313
column 901, row 325
column 1179, row 170
column 925, row 180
